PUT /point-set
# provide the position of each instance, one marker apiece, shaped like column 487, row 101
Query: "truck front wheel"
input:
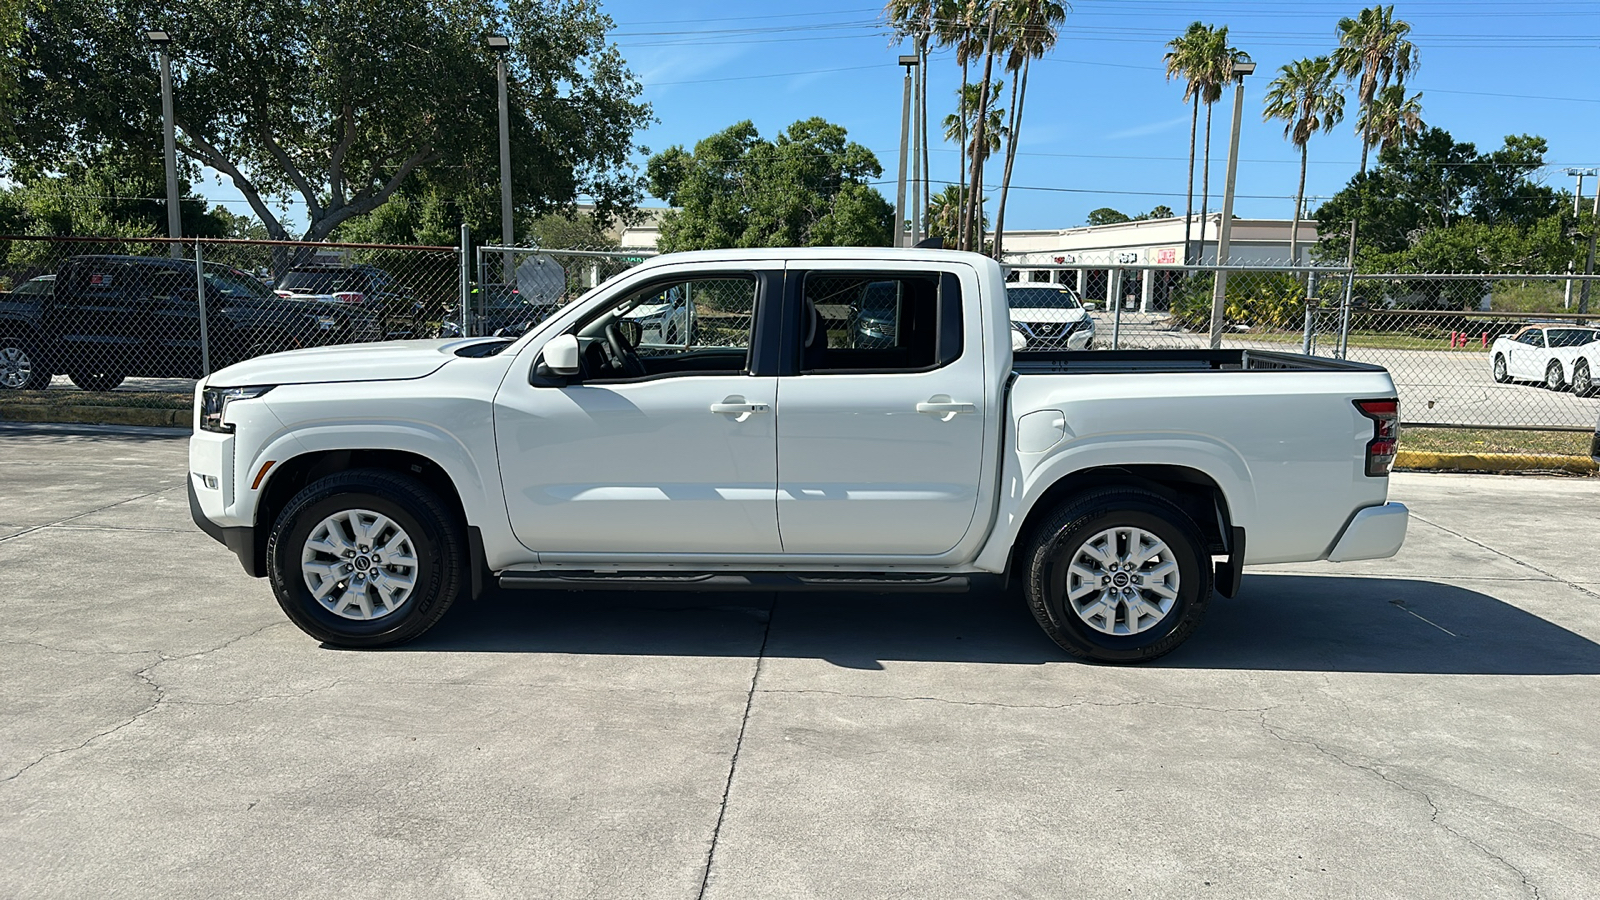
column 1118, row 575
column 366, row 558
column 21, row 366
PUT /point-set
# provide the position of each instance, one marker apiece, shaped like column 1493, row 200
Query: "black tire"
column 1554, row 378
column 1582, row 379
column 436, row 536
column 1501, row 375
column 97, row 381
column 1059, row 539
column 22, row 367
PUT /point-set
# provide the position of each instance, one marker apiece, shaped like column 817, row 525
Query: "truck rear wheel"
column 1118, row 575
column 366, row 558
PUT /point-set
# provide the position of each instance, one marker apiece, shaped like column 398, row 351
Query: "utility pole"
column 1219, row 290
column 169, row 138
column 501, row 44
column 1566, row 302
column 1588, row 266
column 910, row 62
column 916, row 157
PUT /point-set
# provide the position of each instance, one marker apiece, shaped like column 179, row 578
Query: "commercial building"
column 1141, row 261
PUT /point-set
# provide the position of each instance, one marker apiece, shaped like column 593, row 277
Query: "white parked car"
column 1586, row 369
column 1546, row 353
column 373, row 485
column 1050, row 317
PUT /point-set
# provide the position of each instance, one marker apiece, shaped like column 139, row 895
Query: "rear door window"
column 877, row 322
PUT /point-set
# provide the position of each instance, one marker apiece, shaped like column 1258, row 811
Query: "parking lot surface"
column 1422, row 727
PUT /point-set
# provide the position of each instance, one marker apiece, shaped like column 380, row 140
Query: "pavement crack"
column 91, row 512
column 1501, row 553
column 738, row 744
column 147, row 677
column 1434, row 809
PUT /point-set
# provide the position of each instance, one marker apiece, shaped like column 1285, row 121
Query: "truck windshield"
column 1042, row 298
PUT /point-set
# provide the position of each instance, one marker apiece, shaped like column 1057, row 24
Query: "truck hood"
column 386, row 361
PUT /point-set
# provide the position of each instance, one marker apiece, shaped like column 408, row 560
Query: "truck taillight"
column 1385, row 416
column 348, row 297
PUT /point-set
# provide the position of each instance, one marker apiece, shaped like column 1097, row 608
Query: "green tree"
column 1374, row 51
column 1161, row 211
column 1105, row 215
column 1030, row 30
column 1434, row 204
column 1307, row 98
column 114, row 194
column 339, row 102
column 808, row 188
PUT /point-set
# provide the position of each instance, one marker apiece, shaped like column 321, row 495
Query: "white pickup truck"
column 833, row 419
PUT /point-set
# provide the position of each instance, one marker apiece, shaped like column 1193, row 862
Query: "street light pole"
column 910, row 62
column 500, row 44
column 174, row 218
column 1588, row 266
column 1566, row 300
column 916, row 157
column 1219, row 291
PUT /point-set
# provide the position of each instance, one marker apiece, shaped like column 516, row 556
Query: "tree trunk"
column 1205, row 186
column 1188, row 202
column 1019, row 90
column 1299, row 199
column 1361, row 193
column 980, row 140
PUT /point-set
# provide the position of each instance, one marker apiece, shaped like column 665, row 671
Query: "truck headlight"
column 214, row 405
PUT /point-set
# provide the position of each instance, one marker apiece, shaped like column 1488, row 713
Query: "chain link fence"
column 1485, row 363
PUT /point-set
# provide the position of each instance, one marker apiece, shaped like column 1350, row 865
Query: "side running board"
column 751, row 581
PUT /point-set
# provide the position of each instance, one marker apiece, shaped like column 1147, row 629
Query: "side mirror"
column 561, row 354
column 1091, row 306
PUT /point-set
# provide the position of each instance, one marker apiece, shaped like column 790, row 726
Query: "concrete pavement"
column 1414, row 728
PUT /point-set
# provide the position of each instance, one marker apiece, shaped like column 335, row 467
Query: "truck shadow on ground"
column 1279, row 622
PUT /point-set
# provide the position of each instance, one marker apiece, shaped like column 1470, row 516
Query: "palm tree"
column 1182, row 62
column 944, row 212
column 1031, row 31
column 1374, row 52
column 967, row 133
column 1203, row 58
column 1393, row 117
column 957, row 27
column 1307, row 99
column 980, row 126
column 1215, row 70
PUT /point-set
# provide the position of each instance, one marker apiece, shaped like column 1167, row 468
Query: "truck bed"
column 1123, row 362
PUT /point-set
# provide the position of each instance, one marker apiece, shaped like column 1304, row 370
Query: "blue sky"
column 1103, row 127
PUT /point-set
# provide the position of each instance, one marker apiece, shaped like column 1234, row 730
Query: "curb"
column 1493, row 462
column 95, row 415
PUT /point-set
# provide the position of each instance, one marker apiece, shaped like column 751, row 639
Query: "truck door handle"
column 945, row 407
column 737, row 406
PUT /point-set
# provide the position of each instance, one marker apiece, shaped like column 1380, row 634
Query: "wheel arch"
column 287, row 478
column 1192, row 490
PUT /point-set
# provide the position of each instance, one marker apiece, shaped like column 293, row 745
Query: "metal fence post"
column 1309, row 338
column 200, row 298
column 1344, row 314
column 1114, row 296
column 466, row 279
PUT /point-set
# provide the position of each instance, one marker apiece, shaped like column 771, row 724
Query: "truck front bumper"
column 242, row 541
column 1373, row 533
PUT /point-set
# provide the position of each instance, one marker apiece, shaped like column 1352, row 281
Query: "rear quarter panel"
column 1286, row 448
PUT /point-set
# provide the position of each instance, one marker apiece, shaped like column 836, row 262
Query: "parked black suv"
column 111, row 317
